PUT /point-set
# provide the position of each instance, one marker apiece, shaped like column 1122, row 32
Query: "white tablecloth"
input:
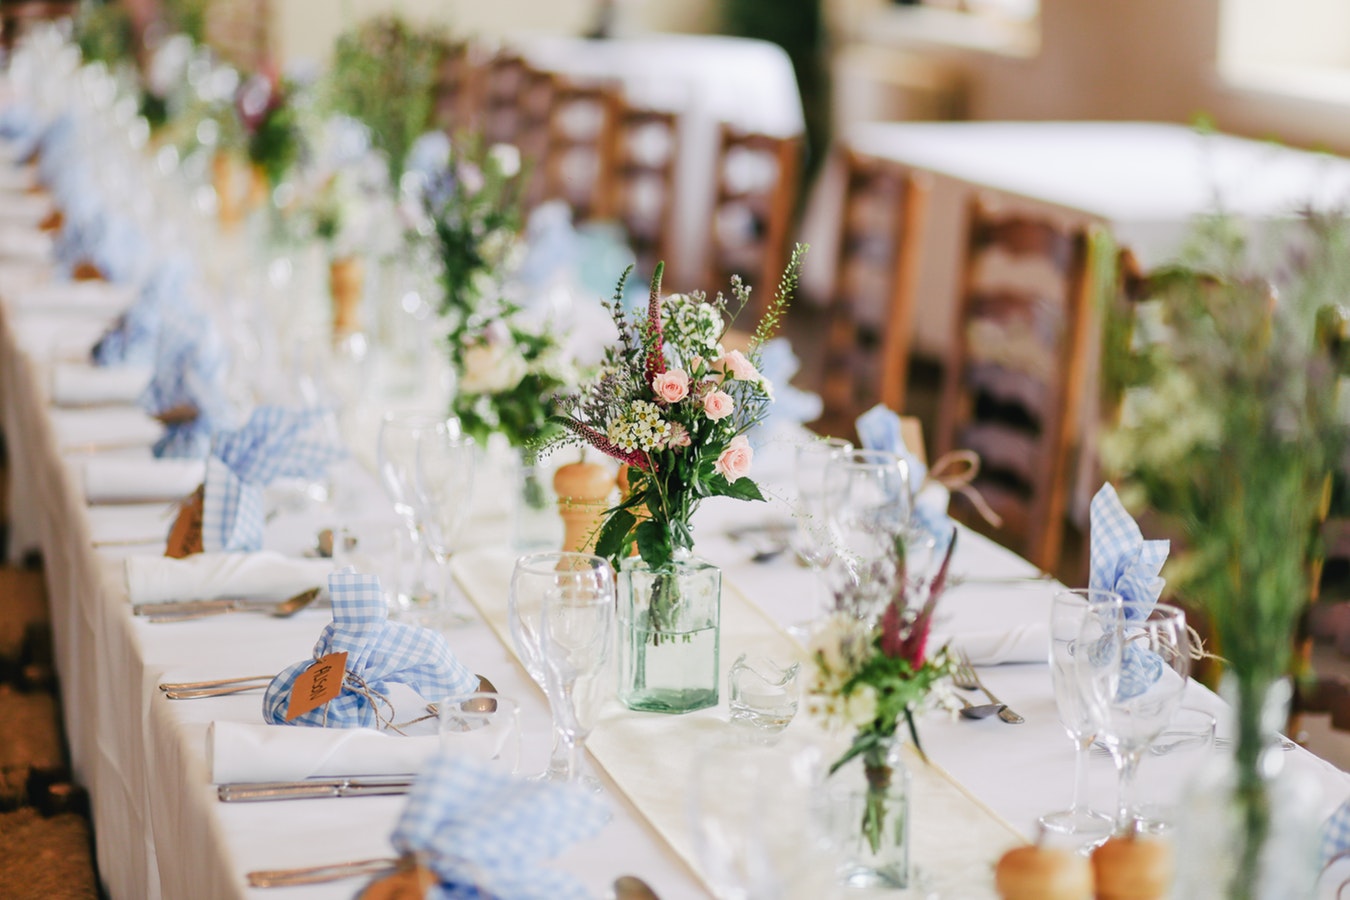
column 708, row 79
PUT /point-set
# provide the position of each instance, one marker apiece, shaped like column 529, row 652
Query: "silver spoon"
column 283, row 610
column 982, row 711
column 630, row 887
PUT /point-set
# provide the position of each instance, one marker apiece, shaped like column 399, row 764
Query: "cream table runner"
column 955, row 840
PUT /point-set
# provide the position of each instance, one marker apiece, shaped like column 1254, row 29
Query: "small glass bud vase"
column 669, row 634
column 867, row 811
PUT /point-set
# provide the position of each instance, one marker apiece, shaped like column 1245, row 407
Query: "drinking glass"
column 537, row 578
column 867, row 502
column 481, row 726
column 396, row 461
column 444, row 493
column 576, row 640
column 811, row 540
column 1068, row 610
column 1133, row 662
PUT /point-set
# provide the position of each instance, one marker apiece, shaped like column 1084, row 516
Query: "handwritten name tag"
column 318, row 684
column 185, row 537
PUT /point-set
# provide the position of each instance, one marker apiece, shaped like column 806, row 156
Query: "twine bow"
column 956, row 471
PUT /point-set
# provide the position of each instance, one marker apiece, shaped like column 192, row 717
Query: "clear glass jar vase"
column 867, row 815
column 669, row 635
column 1246, row 829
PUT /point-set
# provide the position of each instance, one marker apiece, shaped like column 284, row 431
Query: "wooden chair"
column 458, row 78
column 1014, row 377
column 642, row 186
column 581, row 142
column 756, row 192
column 499, row 112
column 872, row 303
column 532, row 138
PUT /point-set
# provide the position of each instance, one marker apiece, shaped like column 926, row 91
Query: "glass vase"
column 535, row 523
column 867, row 815
column 669, row 635
column 1246, row 830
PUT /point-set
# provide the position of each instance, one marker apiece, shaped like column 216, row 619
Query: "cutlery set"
column 964, row 677
column 188, row 610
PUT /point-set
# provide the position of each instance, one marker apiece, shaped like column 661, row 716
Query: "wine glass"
column 396, row 462
column 576, row 640
column 481, row 726
column 535, row 579
column 1068, row 610
column 444, row 479
column 811, row 540
column 1133, row 661
column 867, row 502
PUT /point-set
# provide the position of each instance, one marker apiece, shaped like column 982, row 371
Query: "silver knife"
column 186, row 607
column 309, row 789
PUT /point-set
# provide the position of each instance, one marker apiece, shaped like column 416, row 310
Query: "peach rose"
column 734, row 461
column 671, row 386
column 740, row 368
column 718, row 405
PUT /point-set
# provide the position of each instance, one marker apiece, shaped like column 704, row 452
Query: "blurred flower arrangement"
column 267, row 110
column 1230, row 429
column 674, row 406
column 384, row 74
column 870, row 677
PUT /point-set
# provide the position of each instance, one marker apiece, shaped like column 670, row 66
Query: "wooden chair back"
column 1014, row 376
column 499, row 111
column 872, row 302
column 642, row 189
column 755, row 195
column 579, row 162
column 532, row 139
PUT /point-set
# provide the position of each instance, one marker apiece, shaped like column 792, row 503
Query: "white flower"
column 640, row 427
column 492, row 368
column 507, row 159
column 860, row 706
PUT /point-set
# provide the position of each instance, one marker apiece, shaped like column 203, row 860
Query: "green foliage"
column 384, row 73
column 187, row 17
column 104, row 33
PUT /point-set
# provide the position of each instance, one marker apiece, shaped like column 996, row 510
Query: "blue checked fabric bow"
column 485, row 833
column 1336, row 833
column 1122, row 561
column 379, row 652
column 106, row 240
column 132, row 338
column 879, row 429
column 189, row 372
column 275, row 443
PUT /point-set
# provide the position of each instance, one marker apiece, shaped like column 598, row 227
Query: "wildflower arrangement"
column 871, row 677
column 674, row 406
column 384, row 74
column 1231, row 429
column 267, row 111
column 471, row 205
column 345, row 195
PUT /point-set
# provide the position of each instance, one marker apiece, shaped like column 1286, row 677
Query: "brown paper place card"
column 410, row 881
column 185, row 537
column 317, row 685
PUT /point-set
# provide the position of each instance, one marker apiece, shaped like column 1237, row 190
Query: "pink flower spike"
column 734, row 462
column 914, row 648
column 635, row 458
column 656, row 354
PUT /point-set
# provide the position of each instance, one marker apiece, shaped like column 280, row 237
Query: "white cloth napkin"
column 1029, row 643
column 104, row 428
column 25, row 209
column 79, row 384
column 207, row 576
column 23, row 274
column 115, row 480
column 74, row 296
column 239, row 751
column 23, row 241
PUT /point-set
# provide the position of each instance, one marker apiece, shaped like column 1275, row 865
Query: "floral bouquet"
column 674, row 406
column 267, row 111
column 870, row 677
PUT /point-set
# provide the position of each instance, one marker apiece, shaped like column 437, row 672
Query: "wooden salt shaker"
column 1043, row 873
column 1132, row 867
column 583, row 496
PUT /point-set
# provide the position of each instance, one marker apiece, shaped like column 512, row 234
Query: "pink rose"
column 672, row 386
column 718, row 405
column 734, row 461
column 740, row 368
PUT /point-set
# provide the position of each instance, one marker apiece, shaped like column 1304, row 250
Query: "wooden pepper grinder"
column 1132, row 867
column 583, row 490
column 346, row 281
column 1034, row 872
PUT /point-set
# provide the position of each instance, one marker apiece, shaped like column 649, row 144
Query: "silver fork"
column 964, row 677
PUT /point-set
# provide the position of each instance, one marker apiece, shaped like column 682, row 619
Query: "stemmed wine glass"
column 576, row 639
column 1068, row 610
column 536, row 580
column 868, row 505
column 396, row 460
column 811, row 541
column 1133, row 661
column 444, row 493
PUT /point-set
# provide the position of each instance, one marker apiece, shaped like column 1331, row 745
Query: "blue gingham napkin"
column 379, row 652
column 275, row 443
column 131, row 340
column 108, row 241
column 879, row 429
column 1336, row 833
column 1122, row 561
column 190, row 368
column 485, row 833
